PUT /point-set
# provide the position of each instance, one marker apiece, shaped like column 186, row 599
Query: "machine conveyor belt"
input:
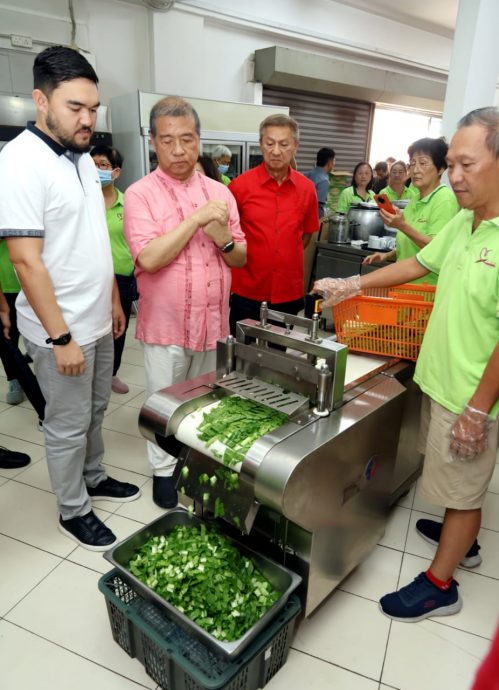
column 187, row 434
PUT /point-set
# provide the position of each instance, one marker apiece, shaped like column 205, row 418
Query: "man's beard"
column 66, row 141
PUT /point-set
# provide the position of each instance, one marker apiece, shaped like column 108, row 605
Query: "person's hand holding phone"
column 392, row 220
column 383, row 202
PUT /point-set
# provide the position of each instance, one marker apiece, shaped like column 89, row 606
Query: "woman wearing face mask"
column 360, row 189
column 108, row 162
column 221, row 157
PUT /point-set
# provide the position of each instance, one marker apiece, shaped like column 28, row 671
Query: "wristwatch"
column 228, row 247
column 63, row 339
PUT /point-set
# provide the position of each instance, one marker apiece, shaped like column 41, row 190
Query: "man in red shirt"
column 278, row 212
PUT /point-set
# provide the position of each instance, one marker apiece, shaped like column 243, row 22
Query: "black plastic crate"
column 177, row 661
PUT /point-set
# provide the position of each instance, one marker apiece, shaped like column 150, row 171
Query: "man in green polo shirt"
column 458, row 367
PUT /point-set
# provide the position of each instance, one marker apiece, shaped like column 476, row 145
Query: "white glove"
column 469, row 435
column 335, row 290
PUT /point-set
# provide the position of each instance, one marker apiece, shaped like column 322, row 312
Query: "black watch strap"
column 63, row 339
column 228, row 247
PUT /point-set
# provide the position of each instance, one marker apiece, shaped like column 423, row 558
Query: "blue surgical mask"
column 223, row 169
column 105, row 177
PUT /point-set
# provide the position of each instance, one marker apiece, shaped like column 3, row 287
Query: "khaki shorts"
column 446, row 481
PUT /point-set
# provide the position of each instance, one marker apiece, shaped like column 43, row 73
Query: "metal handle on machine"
column 264, row 312
column 289, row 320
column 323, row 385
column 313, row 329
column 229, row 355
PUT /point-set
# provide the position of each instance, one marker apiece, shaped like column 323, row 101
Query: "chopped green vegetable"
column 204, row 575
column 219, row 508
column 237, row 423
column 203, row 478
column 230, row 480
column 185, row 471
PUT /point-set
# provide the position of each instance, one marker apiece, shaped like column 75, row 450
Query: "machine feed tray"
column 283, row 580
column 263, row 392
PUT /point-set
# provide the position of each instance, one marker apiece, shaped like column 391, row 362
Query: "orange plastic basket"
column 386, row 321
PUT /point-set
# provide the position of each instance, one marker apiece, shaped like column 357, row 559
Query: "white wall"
column 221, row 42
column 115, row 33
column 204, row 49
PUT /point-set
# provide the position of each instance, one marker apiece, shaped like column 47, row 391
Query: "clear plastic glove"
column 336, row 290
column 469, row 433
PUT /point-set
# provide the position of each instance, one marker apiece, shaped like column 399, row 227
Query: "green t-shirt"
column 225, row 179
column 8, row 277
column 122, row 258
column 464, row 326
column 408, row 193
column 349, row 197
column 428, row 216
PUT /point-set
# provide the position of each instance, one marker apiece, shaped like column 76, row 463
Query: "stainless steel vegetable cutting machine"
column 314, row 493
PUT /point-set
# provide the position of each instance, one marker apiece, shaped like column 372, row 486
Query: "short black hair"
column 324, row 155
column 435, row 148
column 112, row 154
column 381, row 165
column 58, row 64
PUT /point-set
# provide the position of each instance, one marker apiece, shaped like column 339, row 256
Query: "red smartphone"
column 384, row 202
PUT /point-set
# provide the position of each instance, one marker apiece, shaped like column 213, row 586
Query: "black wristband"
column 63, row 339
column 228, row 247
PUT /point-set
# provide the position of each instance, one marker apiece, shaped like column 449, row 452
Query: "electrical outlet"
column 21, row 41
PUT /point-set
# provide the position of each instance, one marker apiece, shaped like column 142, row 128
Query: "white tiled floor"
column 54, row 623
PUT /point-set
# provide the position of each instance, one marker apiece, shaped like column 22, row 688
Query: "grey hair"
column 278, row 120
column 487, row 118
column 220, row 151
column 173, row 106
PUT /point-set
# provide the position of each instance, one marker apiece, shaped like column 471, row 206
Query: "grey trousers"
column 74, row 411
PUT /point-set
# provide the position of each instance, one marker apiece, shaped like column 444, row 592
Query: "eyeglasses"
column 103, row 165
column 422, row 164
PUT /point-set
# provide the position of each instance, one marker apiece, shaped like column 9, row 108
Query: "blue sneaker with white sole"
column 419, row 600
column 430, row 531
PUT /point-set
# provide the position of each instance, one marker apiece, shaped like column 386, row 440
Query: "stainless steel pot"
column 365, row 221
column 339, row 229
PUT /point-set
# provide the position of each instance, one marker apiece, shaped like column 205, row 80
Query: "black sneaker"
column 88, row 531
column 164, row 493
column 419, row 600
column 112, row 490
column 431, row 530
column 12, row 460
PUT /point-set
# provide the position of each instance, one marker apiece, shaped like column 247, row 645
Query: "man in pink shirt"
column 184, row 234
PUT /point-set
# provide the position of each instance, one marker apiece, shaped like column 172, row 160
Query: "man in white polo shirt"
column 52, row 217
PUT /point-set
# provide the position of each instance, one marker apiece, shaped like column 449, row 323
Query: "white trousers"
column 166, row 365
